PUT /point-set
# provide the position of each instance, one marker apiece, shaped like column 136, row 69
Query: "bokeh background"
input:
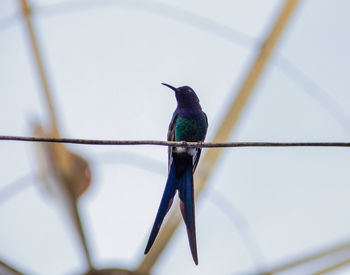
column 104, row 62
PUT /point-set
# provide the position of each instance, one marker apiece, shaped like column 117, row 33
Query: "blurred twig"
column 68, row 170
column 323, row 254
column 230, row 121
column 8, row 270
column 333, row 267
column 45, row 85
column 66, row 177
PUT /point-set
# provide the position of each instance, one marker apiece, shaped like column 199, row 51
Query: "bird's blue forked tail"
column 180, row 178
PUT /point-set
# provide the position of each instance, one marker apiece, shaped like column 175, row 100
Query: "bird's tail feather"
column 167, row 200
column 186, row 194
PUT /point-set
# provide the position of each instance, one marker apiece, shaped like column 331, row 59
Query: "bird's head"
column 185, row 96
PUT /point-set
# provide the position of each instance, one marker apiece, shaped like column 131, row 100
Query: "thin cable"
column 175, row 143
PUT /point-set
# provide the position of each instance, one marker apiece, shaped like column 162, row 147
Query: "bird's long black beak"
column 169, row 86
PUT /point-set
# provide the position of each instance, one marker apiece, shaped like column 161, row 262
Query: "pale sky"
column 105, row 61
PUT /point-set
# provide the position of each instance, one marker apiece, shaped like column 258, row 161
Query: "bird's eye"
column 189, row 90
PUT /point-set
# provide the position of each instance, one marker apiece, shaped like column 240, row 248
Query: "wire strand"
column 175, row 143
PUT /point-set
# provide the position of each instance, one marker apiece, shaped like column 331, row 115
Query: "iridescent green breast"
column 190, row 129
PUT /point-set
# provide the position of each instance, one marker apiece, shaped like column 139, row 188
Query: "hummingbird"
column 189, row 123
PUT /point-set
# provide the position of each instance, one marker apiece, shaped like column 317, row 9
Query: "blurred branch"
column 26, row 11
column 333, row 267
column 325, row 254
column 209, row 161
column 175, row 143
column 66, row 176
column 67, row 169
column 8, row 270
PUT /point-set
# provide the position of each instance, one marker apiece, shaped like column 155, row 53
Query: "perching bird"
column 189, row 123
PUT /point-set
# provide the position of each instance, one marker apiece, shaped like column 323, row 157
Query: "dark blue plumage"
column 189, row 123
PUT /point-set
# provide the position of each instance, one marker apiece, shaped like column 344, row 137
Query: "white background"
column 105, row 61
